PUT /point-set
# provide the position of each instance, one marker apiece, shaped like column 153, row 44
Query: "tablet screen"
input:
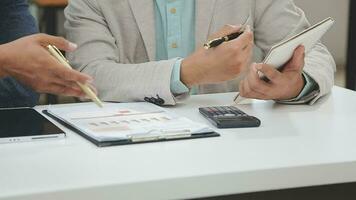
column 25, row 122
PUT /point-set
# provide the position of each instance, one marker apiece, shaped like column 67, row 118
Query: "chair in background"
column 49, row 19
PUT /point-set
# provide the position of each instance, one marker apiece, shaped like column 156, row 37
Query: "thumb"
column 59, row 42
column 297, row 62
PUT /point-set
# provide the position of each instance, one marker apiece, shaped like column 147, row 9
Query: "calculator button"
column 220, row 109
column 235, row 109
column 229, row 115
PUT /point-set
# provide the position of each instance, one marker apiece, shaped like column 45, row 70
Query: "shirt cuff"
column 310, row 91
column 177, row 87
column 309, row 86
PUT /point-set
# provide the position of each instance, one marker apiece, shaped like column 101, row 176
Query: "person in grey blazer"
column 152, row 49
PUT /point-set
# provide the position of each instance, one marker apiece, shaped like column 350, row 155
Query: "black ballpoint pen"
column 216, row 42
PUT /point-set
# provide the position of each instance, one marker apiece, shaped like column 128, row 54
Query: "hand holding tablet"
column 282, row 52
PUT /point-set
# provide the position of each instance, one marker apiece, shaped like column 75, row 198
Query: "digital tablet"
column 26, row 124
column 282, row 52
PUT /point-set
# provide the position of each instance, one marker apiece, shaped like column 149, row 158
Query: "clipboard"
column 137, row 138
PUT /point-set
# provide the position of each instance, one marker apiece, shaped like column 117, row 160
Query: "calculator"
column 229, row 117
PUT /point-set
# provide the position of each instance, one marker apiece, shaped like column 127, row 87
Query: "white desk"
column 295, row 146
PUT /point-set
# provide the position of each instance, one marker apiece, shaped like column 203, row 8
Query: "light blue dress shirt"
column 175, row 38
column 175, row 35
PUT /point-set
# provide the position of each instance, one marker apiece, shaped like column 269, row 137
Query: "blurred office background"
column 337, row 38
column 49, row 14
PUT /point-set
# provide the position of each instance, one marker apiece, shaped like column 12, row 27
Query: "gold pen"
column 54, row 51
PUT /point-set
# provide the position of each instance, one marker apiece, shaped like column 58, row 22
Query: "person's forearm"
column 131, row 82
column 188, row 73
column 2, row 61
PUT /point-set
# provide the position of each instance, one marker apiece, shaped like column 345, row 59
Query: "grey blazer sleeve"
column 98, row 55
column 276, row 20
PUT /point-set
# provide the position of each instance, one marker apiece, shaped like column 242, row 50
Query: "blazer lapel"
column 143, row 11
column 204, row 14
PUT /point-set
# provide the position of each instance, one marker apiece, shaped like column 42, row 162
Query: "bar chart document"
column 130, row 122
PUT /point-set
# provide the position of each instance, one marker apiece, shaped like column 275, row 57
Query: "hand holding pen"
column 220, row 40
column 28, row 61
column 221, row 63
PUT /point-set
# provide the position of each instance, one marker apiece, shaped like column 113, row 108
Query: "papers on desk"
column 128, row 123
